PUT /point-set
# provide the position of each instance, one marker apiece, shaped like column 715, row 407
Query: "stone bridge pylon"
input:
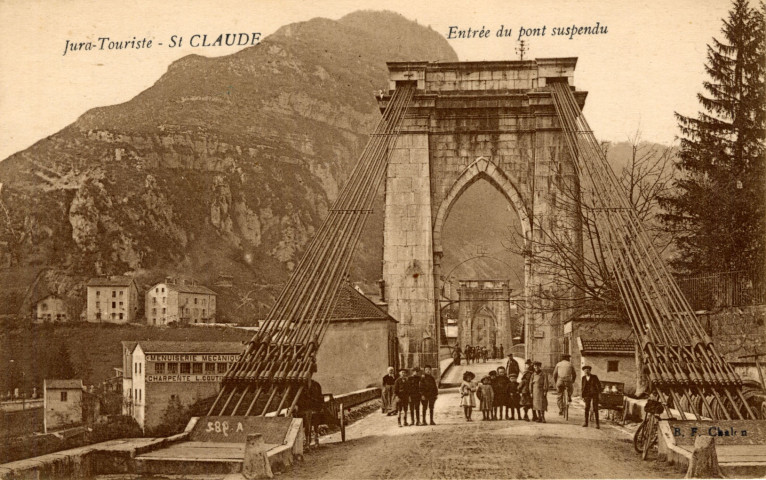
column 470, row 121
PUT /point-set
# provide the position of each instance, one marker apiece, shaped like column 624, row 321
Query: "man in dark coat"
column 310, row 408
column 413, row 390
column 525, row 389
column 512, row 367
column 591, row 388
column 402, row 396
column 428, row 393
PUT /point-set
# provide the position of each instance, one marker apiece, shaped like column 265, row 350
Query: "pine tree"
column 61, row 366
column 717, row 211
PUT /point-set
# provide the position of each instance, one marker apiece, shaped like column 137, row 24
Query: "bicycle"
column 645, row 439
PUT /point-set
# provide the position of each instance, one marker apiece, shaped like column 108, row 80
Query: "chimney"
column 382, row 285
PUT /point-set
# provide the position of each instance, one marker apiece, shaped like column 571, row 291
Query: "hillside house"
column 112, row 300
column 50, row 308
column 179, row 301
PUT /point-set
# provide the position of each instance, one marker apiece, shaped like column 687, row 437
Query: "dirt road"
column 377, row 448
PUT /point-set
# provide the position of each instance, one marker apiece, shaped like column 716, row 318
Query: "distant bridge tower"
column 484, row 317
column 469, row 121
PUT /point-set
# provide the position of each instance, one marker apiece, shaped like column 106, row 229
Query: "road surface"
column 376, row 447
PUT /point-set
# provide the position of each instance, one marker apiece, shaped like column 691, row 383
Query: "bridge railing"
column 724, row 289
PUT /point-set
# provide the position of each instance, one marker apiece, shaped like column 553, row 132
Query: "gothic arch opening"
column 472, row 234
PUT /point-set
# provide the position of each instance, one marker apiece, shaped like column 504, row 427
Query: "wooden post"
column 256, row 462
column 704, row 461
column 342, row 423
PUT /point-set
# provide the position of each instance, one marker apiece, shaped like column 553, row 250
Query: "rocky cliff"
column 225, row 165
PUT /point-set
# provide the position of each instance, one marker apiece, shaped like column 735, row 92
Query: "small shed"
column 611, row 360
column 62, row 403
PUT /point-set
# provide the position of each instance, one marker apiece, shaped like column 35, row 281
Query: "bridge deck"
column 454, row 374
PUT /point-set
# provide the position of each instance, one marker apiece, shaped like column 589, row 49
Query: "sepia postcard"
column 348, row 239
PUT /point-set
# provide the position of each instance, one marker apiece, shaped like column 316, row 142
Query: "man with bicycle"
column 563, row 377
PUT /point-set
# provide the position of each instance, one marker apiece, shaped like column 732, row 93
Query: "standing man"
column 525, row 389
column 402, row 395
column 413, row 390
column 387, row 392
column 563, row 377
column 513, row 367
column 591, row 388
column 428, row 393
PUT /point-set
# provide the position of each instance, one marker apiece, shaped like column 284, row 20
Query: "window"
column 196, row 368
column 98, row 315
column 195, row 300
column 121, row 304
column 163, row 310
column 164, row 300
column 172, row 368
column 204, row 302
column 222, row 368
column 98, row 305
column 114, row 316
column 612, row 366
column 121, row 292
column 121, row 314
column 159, row 368
column 154, row 300
column 98, row 293
column 114, row 304
column 163, row 289
column 186, row 368
column 203, row 312
column 157, row 290
column 154, row 311
column 155, row 321
column 63, row 396
column 114, row 293
column 210, row 368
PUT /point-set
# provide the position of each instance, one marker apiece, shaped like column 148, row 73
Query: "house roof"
column 44, row 296
column 152, row 346
column 75, row 384
column 354, row 305
column 115, row 281
column 607, row 346
column 186, row 288
column 129, row 345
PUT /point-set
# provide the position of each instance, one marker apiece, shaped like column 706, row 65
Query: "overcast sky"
column 648, row 65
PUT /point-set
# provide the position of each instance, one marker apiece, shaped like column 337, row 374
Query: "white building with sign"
column 157, row 372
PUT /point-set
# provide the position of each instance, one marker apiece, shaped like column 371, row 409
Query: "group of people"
column 410, row 392
column 478, row 353
column 502, row 394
